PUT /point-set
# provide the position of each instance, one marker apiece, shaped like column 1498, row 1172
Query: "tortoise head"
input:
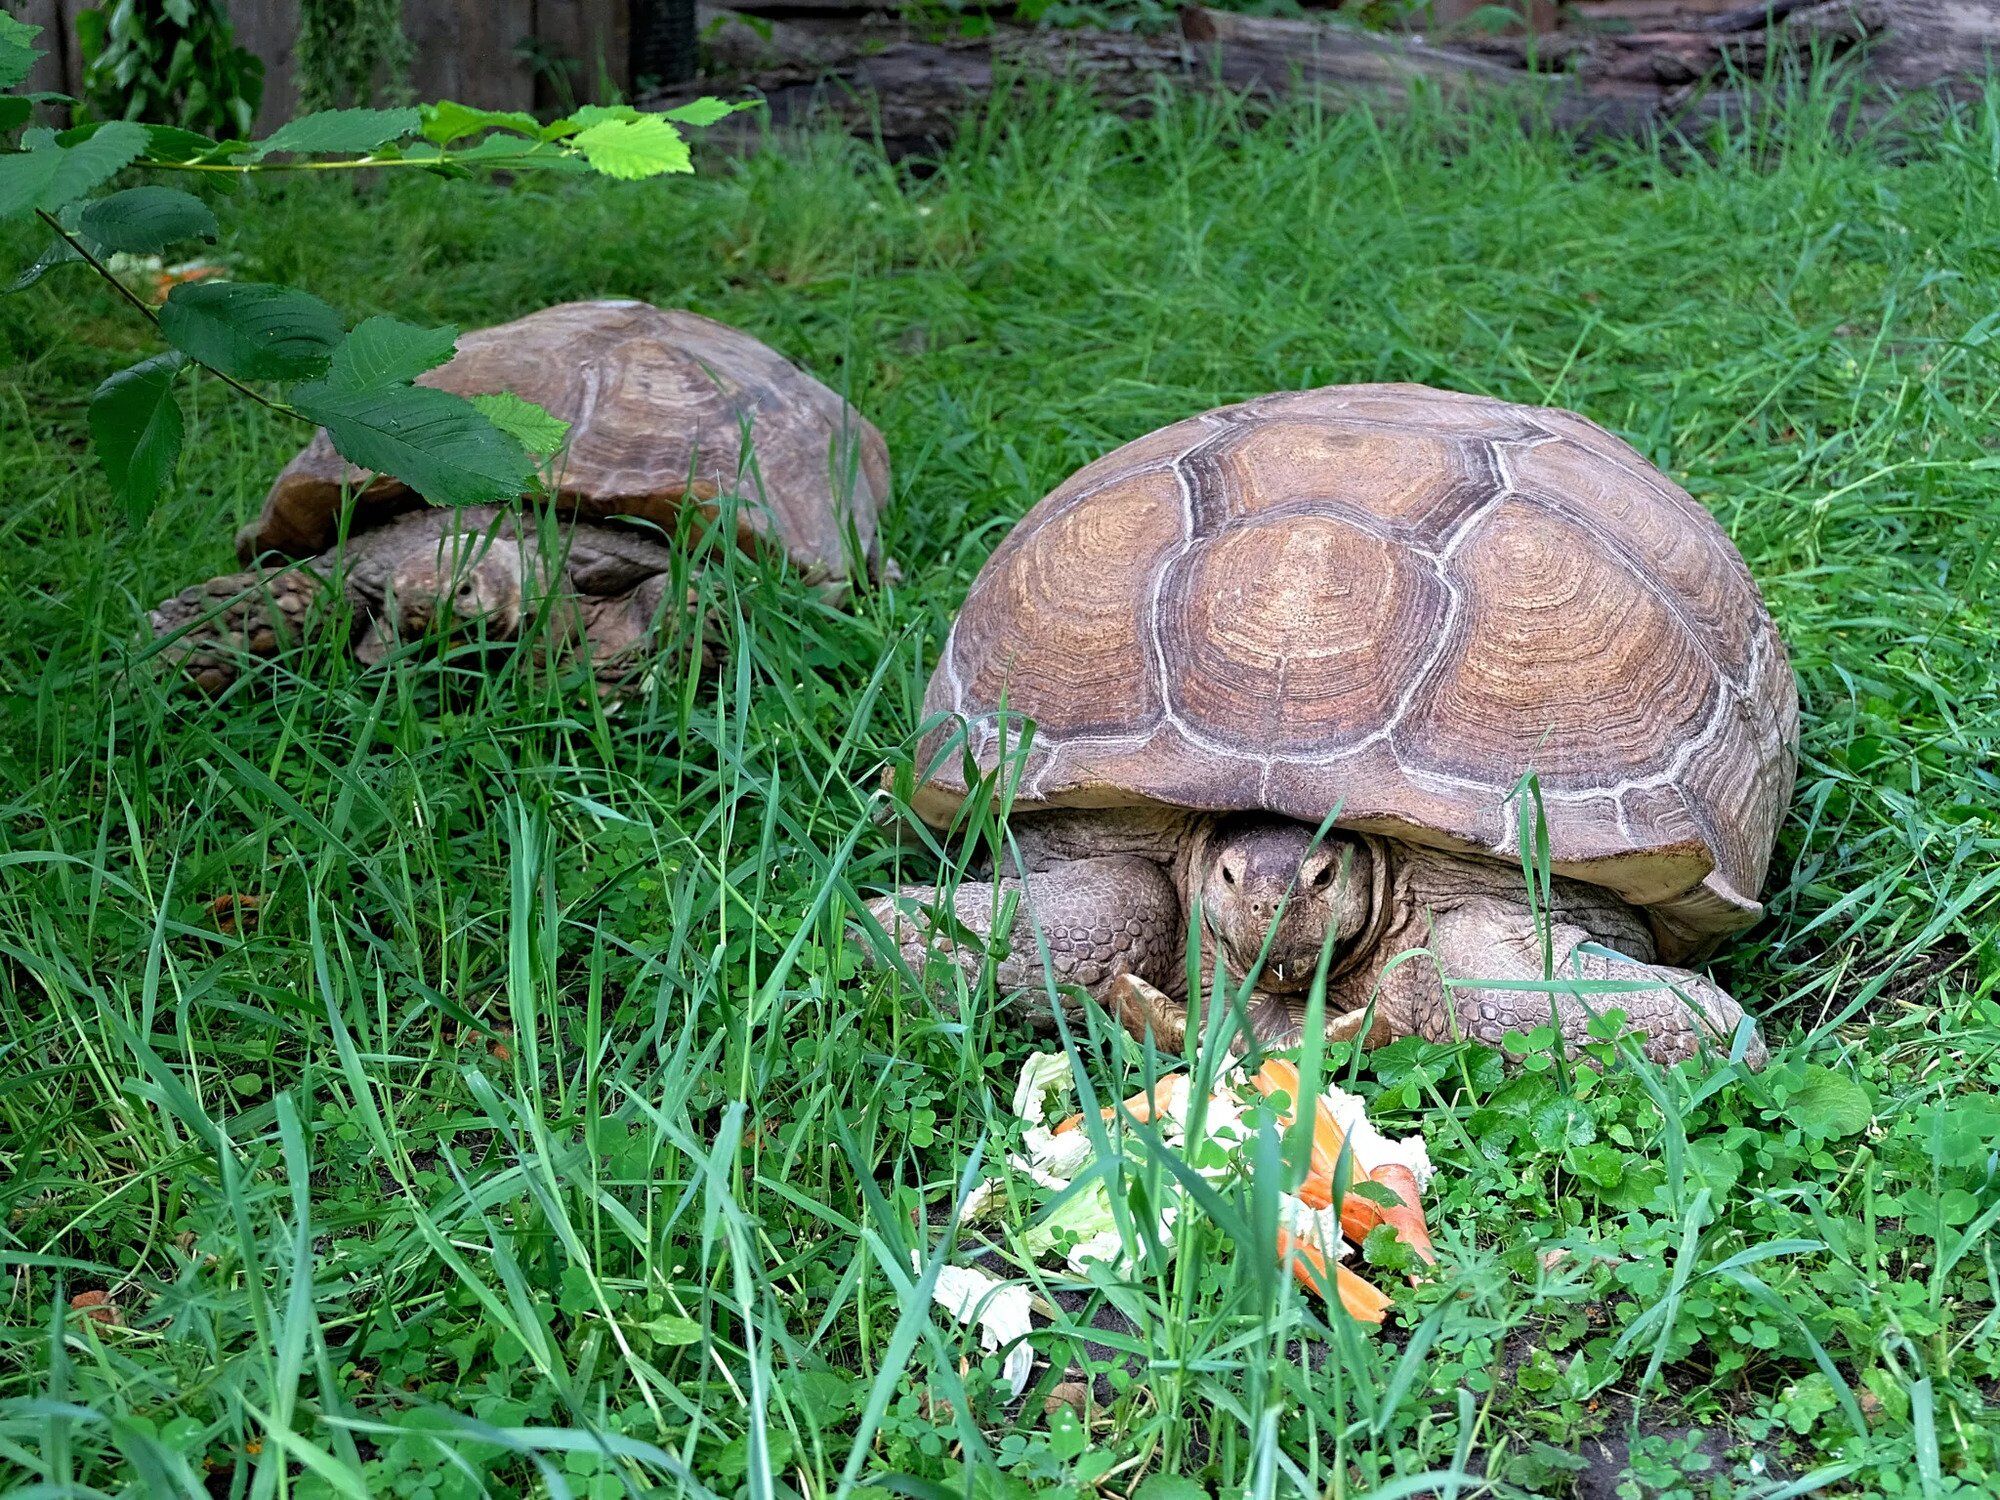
column 1266, row 876
column 468, row 579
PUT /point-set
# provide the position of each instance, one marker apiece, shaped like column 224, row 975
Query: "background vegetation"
column 533, row 1123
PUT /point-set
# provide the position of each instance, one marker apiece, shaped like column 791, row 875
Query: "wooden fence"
column 496, row 54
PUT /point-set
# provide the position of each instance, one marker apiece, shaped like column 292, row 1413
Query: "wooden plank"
column 270, row 28
column 59, row 69
column 586, row 52
column 465, row 50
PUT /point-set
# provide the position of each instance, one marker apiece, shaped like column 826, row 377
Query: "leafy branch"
column 360, row 383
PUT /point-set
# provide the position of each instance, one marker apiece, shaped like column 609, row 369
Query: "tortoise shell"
column 659, row 402
column 1389, row 603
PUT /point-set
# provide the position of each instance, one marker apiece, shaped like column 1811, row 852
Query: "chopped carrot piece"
column 1277, row 1075
column 1407, row 1217
column 1308, row 1264
column 1143, row 1106
column 1357, row 1215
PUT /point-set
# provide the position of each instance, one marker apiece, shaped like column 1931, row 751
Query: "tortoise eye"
column 1228, row 875
column 1321, row 878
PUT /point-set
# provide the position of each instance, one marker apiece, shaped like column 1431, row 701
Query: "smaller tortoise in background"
column 1380, row 605
column 665, row 407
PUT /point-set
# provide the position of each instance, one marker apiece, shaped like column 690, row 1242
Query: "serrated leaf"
column 137, row 429
column 56, row 253
column 169, row 143
column 448, row 121
column 439, row 444
column 539, row 431
column 517, row 155
column 252, row 330
column 24, row 177
column 1828, row 1105
column 17, row 50
column 50, row 175
column 97, row 160
column 387, row 351
column 633, row 149
column 343, row 130
column 705, row 110
column 142, row 220
column 597, row 114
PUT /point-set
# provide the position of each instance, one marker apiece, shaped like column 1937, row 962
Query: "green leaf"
column 170, row 143
column 539, row 431
column 136, row 427
column 1384, row 1248
column 252, row 330
column 17, row 50
column 588, row 115
column 25, row 177
column 706, row 110
column 97, row 160
column 1168, row 1487
column 1373, row 1192
column 1828, row 1105
column 448, row 121
column 439, row 444
column 516, row 155
column 344, row 130
column 50, row 175
column 14, row 110
column 671, row 1328
column 1600, row 1165
column 145, row 219
column 58, row 252
column 632, row 149
column 387, row 351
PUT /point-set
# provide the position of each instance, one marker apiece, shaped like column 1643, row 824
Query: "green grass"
column 548, row 1132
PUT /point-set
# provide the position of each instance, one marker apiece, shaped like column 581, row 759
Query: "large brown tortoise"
column 1385, row 606
column 665, row 407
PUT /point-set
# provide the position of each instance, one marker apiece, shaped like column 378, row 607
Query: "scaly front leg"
column 216, row 624
column 1680, row 1011
column 1100, row 918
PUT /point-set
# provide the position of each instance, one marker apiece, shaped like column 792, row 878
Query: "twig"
column 152, row 316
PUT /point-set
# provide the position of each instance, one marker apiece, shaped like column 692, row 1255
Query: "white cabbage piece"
column 998, row 1309
column 1373, row 1149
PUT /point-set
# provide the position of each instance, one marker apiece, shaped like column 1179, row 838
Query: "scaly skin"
column 475, row 567
column 1262, row 879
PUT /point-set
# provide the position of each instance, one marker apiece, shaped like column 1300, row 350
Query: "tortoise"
column 1405, row 614
column 665, row 407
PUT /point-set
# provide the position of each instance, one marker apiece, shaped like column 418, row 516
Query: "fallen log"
column 871, row 74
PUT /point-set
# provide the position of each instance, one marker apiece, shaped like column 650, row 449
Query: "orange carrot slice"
column 1357, row 1215
column 1361, row 1300
column 1406, row 1217
column 1278, row 1075
column 1143, row 1106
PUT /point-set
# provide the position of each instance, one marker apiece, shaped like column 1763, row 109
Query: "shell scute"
column 1390, row 604
column 665, row 408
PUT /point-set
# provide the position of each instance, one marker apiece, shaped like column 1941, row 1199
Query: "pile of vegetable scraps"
column 1385, row 1184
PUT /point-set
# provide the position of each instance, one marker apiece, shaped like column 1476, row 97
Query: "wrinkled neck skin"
column 1263, row 879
